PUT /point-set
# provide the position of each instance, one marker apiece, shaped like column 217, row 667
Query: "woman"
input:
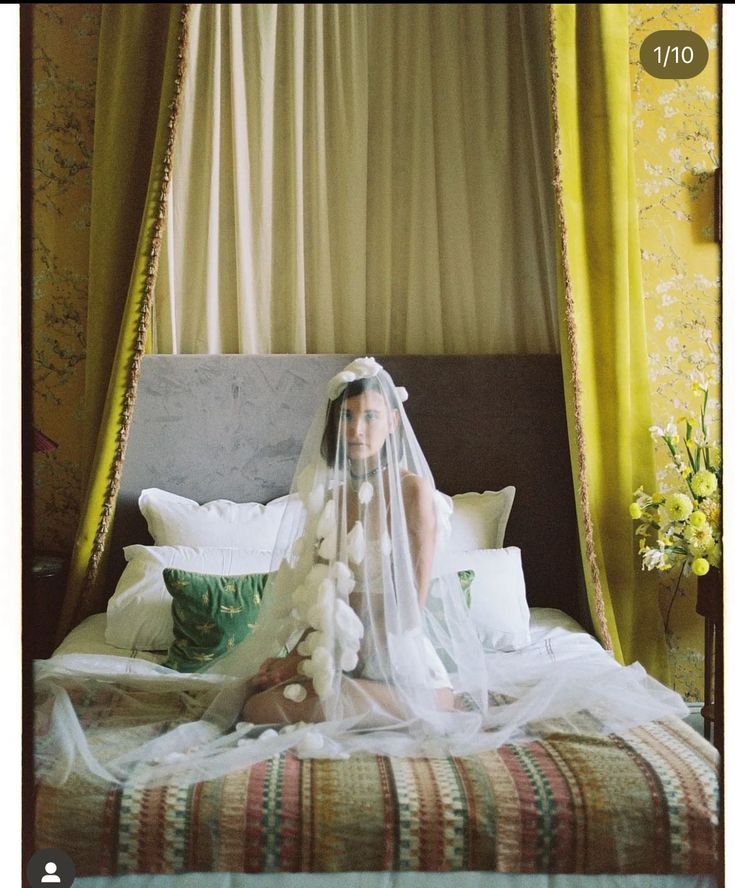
column 377, row 495
column 371, row 640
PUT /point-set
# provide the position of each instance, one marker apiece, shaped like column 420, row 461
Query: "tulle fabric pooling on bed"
column 381, row 669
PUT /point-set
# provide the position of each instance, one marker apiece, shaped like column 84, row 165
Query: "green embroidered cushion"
column 211, row 614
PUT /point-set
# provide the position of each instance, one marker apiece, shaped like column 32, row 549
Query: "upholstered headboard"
column 231, row 426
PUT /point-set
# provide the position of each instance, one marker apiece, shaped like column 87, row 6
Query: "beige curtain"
column 361, row 178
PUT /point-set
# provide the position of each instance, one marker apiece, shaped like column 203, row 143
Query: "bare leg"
column 377, row 700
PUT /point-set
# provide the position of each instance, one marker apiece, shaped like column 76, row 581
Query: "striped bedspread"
column 642, row 802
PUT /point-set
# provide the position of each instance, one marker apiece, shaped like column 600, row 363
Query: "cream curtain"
column 361, row 178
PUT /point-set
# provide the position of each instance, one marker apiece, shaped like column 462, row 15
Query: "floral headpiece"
column 360, row 368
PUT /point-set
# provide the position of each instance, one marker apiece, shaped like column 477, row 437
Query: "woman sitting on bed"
column 357, row 646
column 363, row 578
column 355, row 635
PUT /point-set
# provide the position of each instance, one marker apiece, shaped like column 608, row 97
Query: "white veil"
column 356, row 647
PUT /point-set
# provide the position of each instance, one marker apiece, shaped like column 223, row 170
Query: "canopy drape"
column 139, row 76
column 603, row 322
column 423, row 254
column 361, row 178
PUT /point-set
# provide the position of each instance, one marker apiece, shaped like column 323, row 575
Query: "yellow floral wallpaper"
column 676, row 142
column 676, row 149
column 64, row 38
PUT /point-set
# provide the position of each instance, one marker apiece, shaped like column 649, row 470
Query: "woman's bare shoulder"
column 416, row 488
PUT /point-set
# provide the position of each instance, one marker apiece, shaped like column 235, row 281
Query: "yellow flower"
column 658, row 498
column 635, row 511
column 699, row 538
column 703, row 483
column 700, row 566
column 686, row 471
column 698, row 518
column 679, row 506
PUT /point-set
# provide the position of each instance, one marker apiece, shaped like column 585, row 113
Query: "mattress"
column 641, row 802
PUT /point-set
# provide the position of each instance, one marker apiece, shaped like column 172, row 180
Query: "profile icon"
column 51, row 878
column 50, row 868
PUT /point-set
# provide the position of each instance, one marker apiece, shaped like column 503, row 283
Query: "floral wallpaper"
column 64, row 39
column 676, row 144
column 676, row 150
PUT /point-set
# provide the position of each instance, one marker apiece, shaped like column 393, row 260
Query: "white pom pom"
column 306, row 668
column 243, row 727
column 327, row 520
column 401, row 393
column 328, row 546
column 344, row 578
column 268, row 734
column 356, row 543
column 322, row 659
column 311, row 742
column 385, row 543
column 316, row 617
column 338, row 383
column 317, row 573
column 295, row 692
column 348, row 660
column 323, row 683
column 348, row 624
column 365, row 493
column 312, row 641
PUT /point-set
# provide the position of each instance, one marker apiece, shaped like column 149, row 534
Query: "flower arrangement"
column 682, row 527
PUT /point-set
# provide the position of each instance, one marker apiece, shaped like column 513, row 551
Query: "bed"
column 569, row 809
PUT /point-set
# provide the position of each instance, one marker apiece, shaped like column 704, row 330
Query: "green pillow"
column 465, row 581
column 211, row 614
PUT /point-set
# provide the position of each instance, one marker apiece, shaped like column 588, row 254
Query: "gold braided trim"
column 573, row 346
column 86, row 603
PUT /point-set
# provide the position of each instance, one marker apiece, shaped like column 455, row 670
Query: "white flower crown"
column 360, row 368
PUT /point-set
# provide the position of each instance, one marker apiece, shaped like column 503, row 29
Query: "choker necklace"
column 369, row 474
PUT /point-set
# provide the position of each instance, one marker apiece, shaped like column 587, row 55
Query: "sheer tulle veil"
column 385, row 655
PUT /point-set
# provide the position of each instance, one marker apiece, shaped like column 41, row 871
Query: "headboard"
column 231, row 426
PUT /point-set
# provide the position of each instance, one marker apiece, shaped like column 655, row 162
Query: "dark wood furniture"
column 709, row 606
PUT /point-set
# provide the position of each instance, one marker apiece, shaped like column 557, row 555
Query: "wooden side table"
column 709, row 606
column 46, row 594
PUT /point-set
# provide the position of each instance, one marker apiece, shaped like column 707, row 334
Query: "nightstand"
column 44, row 600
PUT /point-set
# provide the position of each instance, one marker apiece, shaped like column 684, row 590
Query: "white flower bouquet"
column 683, row 527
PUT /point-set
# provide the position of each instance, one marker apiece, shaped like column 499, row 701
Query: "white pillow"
column 175, row 520
column 497, row 596
column 477, row 520
column 139, row 612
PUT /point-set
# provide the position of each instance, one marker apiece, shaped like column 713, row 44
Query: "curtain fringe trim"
column 573, row 347
column 86, row 602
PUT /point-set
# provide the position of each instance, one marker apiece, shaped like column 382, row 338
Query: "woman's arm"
column 418, row 501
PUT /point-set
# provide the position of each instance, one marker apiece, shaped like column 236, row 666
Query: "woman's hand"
column 275, row 671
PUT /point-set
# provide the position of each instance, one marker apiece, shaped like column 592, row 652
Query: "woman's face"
column 366, row 422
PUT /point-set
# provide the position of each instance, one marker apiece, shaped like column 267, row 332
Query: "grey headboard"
column 230, row 427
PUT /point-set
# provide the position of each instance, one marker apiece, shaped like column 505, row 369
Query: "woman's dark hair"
column 334, row 409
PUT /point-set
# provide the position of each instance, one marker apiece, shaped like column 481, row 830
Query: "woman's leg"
column 379, row 703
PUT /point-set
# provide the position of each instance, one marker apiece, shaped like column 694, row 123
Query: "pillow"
column 174, row 520
column 478, row 520
column 139, row 612
column 211, row 614
column 498, row 602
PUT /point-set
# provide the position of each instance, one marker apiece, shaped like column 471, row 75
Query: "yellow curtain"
column 602, row 317
column 140, row 67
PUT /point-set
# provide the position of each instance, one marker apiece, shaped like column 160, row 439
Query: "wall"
column 676, row 131
column 676, row 141
column 64, row 73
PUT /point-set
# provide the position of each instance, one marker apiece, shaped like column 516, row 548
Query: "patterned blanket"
column 642, row 802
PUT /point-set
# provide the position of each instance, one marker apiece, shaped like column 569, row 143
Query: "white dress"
column 411, row 652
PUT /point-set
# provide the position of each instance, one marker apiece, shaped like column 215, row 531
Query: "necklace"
column 369, row 474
